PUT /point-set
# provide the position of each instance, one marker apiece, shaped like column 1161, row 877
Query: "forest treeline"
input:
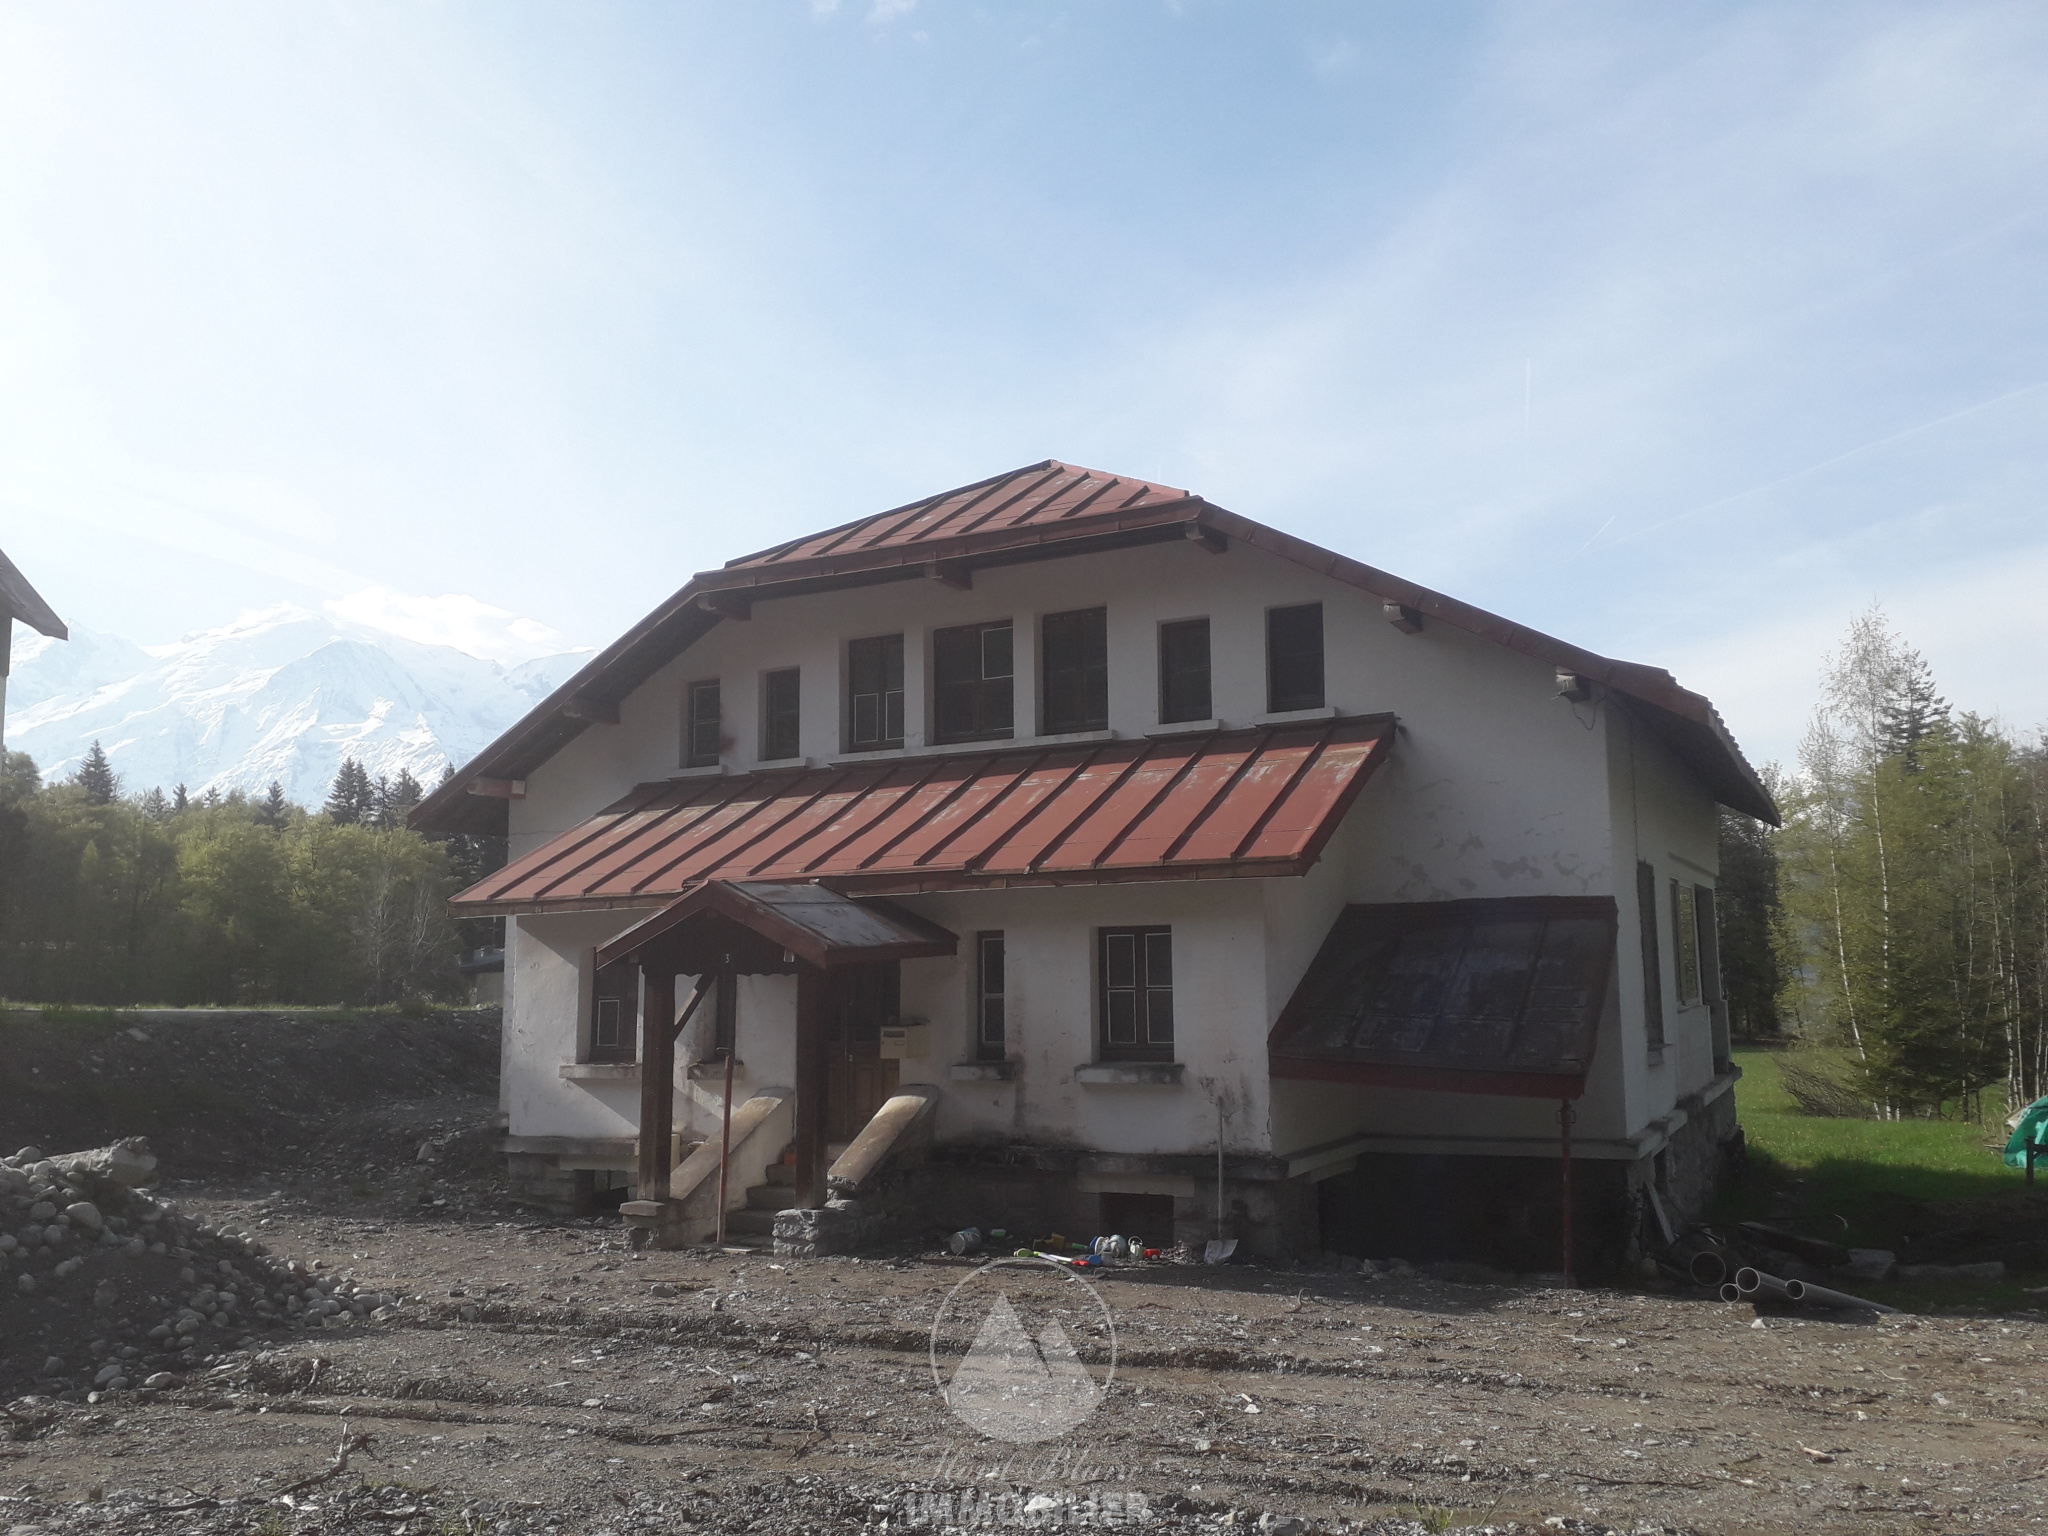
column 1901, row 913
column 113, row 899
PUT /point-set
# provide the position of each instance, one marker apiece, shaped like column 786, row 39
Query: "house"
column 1067, row 852
column 19, row 600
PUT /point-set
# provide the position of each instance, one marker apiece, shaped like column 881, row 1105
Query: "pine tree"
column 275, row 808
column 1913, row 712
column 396, row 798
column 155, row 806
column 181, row 802
column 96, row 777
column 353, row 799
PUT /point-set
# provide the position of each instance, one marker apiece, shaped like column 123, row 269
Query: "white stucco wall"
column 1494, row 787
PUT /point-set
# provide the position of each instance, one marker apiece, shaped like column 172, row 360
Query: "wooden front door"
column 859, row 1081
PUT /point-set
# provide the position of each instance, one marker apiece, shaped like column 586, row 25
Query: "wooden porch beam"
column 813, row 1018
column 657, row 1081
column 499, row 789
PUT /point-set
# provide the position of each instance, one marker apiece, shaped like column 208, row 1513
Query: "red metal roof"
column 1047, row 495
column 1228, row 803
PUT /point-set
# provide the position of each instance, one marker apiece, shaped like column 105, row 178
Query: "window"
column 874, row 689
column 780, row 736
column 1137, row 994
column 1294, row 657
column 1685, row 941
column 615, row 1002
column 989, row 1040
column 1074, row 662
column 700, row 725
column 971, row 667
column 1184, row 671
column 1653, row 968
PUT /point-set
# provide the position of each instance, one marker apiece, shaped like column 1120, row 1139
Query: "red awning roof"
column 1211, row 806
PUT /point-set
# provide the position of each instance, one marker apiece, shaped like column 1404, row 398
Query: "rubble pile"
column 104, row 1288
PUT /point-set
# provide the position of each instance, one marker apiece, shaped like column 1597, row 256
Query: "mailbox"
column 911, row 1038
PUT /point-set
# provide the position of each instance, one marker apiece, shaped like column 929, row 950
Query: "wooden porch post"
column 657, row 1080
column 813, row 1018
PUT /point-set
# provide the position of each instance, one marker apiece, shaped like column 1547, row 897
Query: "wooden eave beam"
column 1214, row 540
column 499, row 789
column 1402, row 617
column 592, row 711
column 956, row 574
column 726, row 605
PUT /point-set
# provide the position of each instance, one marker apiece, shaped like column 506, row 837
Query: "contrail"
column 1800, row 474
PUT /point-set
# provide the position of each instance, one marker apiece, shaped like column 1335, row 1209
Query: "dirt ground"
column 539, row 1376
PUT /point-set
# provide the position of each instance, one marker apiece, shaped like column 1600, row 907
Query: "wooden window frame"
column 1653, row 965
column 1152, row 1039
column 1171, row 713
column 882, row 703
column 1685, row 944
column 990, row 697
column 774, row 717
column 614, row 1012
column 1286, row 695
column 697, row 753
column 991, row 1002
column 1073, row 671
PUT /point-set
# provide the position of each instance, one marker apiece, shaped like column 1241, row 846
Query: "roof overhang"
column 951, row 535
column 21, row 601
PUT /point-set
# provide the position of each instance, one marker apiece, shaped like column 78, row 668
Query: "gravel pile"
column 104, row 1288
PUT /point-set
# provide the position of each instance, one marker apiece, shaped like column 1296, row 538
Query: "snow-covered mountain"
column 284, row 694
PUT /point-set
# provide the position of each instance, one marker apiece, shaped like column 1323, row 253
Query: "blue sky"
column 1682, row 331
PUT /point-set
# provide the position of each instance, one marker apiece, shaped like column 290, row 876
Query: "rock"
column 1282, row 1525
column 160, row 1380
column 1872, row 1263
column 662, row 1288
column 42, row 1210
column 84, row 1214
column 25, row 1283
column 53, row 1366
column 106, row 1374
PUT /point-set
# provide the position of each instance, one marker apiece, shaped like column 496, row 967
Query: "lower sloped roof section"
column 812, row 922
column 1216, row 805
column 1494, row 996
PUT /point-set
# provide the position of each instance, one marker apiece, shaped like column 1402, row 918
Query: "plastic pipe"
column 1821, row 1296
column 1752, row 1282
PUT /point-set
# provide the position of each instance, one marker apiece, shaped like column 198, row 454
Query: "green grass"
column 1864, row 1183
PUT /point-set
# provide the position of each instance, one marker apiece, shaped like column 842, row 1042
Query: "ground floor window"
column 989, row 1039
column 613, row 1013
column 1137, row 994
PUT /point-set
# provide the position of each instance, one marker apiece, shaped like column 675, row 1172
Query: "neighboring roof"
column 1208, row 806
column 1496, row 996
column 812, row 922
column 1043, row 511
column 21, row 600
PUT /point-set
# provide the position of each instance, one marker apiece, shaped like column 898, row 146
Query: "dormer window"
column 972, row 678
column 1075, row 659
column 874, row 689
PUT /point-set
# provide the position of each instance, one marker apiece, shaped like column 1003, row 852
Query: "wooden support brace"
column 951, row 573
column 499, row 789
column 1405, row 619
column 1214, row 540
column 595, row 711
column 727, row 605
